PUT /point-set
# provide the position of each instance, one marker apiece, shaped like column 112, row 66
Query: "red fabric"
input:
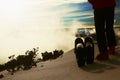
column 102, row 3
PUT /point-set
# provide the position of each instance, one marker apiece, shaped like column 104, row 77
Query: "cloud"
column 76, row 1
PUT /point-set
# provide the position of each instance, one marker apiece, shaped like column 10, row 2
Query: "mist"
column 48, row 35
column 46, row 39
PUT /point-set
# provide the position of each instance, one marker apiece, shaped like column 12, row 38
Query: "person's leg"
column 99, row 17
column 110, row 34
column 100, row 30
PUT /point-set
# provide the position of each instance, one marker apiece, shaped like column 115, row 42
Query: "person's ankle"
column 103, row 56
column 111, row 50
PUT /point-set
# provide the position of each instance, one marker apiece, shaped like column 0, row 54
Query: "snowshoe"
column 89, row 48
column 80, row 52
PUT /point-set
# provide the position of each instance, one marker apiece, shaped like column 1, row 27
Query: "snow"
column 65, row 68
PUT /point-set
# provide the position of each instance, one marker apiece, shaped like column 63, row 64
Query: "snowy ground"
column 65, row 68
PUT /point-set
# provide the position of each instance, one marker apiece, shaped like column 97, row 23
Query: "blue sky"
column 82, row 14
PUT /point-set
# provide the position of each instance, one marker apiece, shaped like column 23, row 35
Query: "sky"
column 82, row 14
column 26, row 24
